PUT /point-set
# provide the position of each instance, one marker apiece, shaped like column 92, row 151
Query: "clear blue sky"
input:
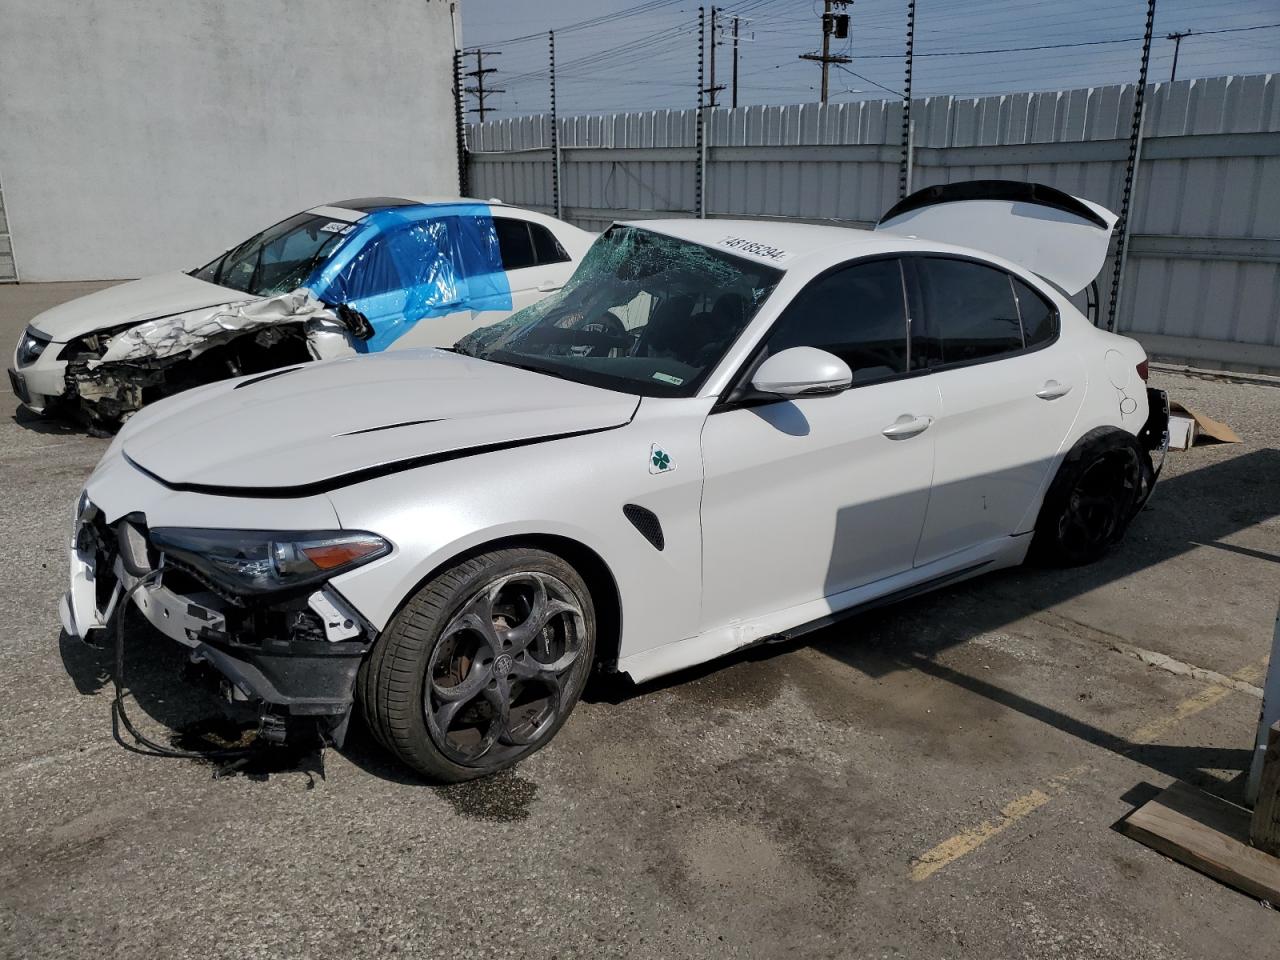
column 644, row 56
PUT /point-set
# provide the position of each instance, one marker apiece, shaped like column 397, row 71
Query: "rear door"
column 1010, row 390
column 535, row 264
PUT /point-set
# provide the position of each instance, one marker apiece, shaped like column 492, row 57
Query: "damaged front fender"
column 110, row 378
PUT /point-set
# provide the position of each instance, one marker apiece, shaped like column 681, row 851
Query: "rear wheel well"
column 590, row 566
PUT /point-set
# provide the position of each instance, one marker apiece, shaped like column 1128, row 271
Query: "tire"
column 433, row 688
column 1098, row 489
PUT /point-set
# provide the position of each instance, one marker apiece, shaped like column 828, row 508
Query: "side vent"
column 646, row 521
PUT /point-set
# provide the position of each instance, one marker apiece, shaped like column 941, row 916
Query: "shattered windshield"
column 280, row 258
column 644, row 313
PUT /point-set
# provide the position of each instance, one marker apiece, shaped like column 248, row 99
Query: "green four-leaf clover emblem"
column 660, row 460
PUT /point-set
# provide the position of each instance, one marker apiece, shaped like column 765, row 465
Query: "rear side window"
column 858, row 313
column 515, row 243
column 1039, row 317
column 545, row 245
column 524, row 244
column 971, row 313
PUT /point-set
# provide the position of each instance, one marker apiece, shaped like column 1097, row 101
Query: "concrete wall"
column 146, row 135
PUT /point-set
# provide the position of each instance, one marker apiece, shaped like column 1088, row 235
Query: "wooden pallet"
column 1209, row 834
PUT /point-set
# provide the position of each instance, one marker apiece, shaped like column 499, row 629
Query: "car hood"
column 132, row 302
column 304, row 430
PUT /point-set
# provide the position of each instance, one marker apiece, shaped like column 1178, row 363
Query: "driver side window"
column 858, row 313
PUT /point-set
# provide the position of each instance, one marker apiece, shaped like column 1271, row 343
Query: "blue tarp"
column 404, row 264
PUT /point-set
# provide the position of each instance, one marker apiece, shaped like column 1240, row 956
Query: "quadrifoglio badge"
column 660, row 461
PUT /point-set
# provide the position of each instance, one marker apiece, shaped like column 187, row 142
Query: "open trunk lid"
column 1050, row 233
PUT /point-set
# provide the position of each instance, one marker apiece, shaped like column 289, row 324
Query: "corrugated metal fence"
column 1203, row 276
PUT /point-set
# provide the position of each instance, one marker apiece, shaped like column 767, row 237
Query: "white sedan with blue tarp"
column 357, row 276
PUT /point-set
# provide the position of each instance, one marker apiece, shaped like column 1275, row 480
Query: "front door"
column 806, row 498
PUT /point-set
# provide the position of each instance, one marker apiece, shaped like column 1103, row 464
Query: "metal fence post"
column 555, row 132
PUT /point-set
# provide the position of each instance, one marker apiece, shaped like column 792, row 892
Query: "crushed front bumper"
column 296, row 656
column 40, row 384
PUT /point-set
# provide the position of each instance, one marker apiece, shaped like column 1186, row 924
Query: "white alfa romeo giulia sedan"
column 717, row 434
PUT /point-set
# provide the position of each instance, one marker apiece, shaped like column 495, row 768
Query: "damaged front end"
column 112, row 374
column 254, row 606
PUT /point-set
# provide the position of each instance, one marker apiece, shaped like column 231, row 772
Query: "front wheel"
column 482, row 666
column 1099, row 487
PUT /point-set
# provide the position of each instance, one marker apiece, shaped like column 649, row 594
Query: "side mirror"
column 802, row 372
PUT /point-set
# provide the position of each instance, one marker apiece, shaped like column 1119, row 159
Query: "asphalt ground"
column 940, row 778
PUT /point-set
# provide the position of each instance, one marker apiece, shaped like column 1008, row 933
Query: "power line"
column 1055, row 46
column 874, row 83
column 647, row 7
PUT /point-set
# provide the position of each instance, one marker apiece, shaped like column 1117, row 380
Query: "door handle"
column 549, row 286
column 907, row 426
column 1052, row 390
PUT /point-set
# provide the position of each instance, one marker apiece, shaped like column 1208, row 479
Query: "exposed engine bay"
column 112, row 374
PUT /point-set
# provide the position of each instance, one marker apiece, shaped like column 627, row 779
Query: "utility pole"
column 1176, row 37
column 479, row 90
column 713, row 89
column 832, row 23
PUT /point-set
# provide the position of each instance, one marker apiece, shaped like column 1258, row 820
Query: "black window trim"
column 911, row 262
column 738, row 394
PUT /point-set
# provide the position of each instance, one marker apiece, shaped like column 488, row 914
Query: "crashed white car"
column 718, row 434
column 357, row 276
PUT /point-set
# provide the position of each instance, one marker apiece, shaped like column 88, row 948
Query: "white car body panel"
column 412, row 404
column 131, row 302
column 993, row 461
column 775, row 516
column 865, row 497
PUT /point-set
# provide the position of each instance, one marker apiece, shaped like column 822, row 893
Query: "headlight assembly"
column 265, row 561
column 30, row 347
